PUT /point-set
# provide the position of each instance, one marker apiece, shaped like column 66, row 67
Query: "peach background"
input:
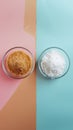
column 30, row 16
column 20, row 111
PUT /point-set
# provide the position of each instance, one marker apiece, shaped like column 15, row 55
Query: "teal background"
column 55, row 97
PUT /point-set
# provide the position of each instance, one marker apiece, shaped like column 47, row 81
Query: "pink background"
column 12, row 34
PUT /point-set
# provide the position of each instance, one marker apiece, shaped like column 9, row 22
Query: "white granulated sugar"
column 53, row 64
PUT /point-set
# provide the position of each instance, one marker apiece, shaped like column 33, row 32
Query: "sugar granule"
column 53, row 64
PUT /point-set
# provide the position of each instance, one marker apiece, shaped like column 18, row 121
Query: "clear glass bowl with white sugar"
column 54, row 63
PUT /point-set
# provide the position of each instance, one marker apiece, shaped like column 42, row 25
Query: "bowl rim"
column 28, row 73
column 39, row 59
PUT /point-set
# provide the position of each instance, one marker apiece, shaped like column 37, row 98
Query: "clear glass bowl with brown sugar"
column 18, row 62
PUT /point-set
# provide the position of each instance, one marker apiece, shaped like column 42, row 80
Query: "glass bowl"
column 60, row 51
column 10, row 51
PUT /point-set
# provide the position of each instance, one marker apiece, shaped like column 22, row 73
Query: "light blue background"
column 55, row 98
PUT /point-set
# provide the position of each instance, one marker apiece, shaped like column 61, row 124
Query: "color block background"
column 19, row 112
column 55, row 98
column 54, row 106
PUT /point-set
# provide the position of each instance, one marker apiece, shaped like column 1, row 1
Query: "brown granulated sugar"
column 18, row 63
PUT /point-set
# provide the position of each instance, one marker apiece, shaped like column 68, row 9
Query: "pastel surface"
column 54, row 98
column 12, row 34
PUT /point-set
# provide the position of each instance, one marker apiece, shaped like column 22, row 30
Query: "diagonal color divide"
column 12, row 34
